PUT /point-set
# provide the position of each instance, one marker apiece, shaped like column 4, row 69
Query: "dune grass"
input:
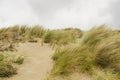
column 97, row 52
column 11, row 36
column 19, row 60
column 62, row 37
column 7, row 64
column 104, row 75
column 9, row 39
column 99, row 48
column 22, row 33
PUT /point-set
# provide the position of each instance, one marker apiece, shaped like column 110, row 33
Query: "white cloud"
column 60, row 13
column 17, row 12
column 82, row 14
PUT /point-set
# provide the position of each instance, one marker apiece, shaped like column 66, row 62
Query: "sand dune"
column 37, row 64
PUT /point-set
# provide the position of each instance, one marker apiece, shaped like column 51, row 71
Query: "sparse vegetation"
column 11, row 36
column 95, row 52
column 7, row 67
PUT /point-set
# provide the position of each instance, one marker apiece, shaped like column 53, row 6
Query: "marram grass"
column 99, row 48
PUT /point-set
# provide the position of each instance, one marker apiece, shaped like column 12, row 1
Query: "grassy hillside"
column 11, row 37
column 95, row 53
column 98, row 54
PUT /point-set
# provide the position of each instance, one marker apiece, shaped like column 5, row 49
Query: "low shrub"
column 7, row 69
column 7, row 64
column 19, row 60
column 48, row 36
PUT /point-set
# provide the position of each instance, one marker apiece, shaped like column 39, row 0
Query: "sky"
column 52, row 14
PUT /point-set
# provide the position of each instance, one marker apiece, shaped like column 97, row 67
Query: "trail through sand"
column 37, row 64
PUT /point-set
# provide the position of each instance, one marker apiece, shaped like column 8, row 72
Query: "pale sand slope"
column 37, row 64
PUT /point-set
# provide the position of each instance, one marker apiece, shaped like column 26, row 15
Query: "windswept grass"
column 7, row 64
column 108, row 53
column 11, row 36
column 37, row 31
column 97, row 52
column 75, row 31
column 104, row 75
column 99, row 48
column 62, row 37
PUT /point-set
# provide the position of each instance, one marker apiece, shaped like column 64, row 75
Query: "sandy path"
column 37, row 64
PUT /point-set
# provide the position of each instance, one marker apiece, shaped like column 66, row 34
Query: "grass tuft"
column 99, row 48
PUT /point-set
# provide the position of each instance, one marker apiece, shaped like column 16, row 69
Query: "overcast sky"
column 52, row 14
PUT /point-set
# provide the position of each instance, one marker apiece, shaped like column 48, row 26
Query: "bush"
column 48, row 36
column 19, row 60
column 7, row 69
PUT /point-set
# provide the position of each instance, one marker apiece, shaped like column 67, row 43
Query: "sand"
column 37, row 64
